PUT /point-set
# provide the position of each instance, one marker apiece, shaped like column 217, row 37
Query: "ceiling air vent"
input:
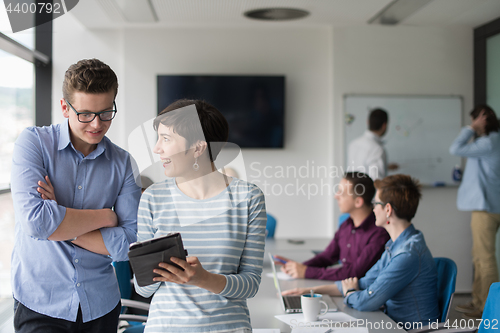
column 276, row 14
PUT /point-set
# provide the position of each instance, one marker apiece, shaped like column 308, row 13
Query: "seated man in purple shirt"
column 358, row 243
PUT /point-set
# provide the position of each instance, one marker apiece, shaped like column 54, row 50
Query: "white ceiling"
column 103, row 14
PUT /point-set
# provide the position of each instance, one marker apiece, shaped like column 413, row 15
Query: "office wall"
column 72, row 42
column 321, row 65
column 303, row 55
column 412, row 60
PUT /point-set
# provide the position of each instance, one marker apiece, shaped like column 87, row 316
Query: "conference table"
column 266, row 304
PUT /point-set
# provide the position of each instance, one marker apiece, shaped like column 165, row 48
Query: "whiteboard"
column 420, row 132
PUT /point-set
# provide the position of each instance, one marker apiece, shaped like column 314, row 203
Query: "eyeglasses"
column 374, row 203
column 88, row 117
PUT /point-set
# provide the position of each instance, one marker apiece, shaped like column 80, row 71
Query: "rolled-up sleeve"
column 118, row 239
column 477, row 148
column 39, row 218
column 245, row 283
column 394, row 277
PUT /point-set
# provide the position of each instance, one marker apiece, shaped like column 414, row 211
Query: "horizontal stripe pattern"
column 227, row 234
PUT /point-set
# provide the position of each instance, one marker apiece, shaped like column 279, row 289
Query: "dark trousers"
column 29, row 321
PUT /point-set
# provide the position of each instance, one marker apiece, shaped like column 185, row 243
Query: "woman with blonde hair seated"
column 404, row 280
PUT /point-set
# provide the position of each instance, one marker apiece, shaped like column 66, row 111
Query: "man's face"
column 85, row 136
column 384, row 129
column 345, row 196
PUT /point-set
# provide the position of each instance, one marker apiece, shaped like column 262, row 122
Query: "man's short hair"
column 214, row 125
column 402, row 192
column 90, row 76
column 362, row 186
column 377, row 118
column 492, row 124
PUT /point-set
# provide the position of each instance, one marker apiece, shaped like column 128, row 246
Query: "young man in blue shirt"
column 75, row 200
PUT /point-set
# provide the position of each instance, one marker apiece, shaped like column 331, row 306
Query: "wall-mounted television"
column 254, row 106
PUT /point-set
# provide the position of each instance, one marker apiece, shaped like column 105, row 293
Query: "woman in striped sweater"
column 222, row 222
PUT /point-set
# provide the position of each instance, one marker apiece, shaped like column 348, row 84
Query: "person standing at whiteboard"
column 366, row 153
column 480, row 193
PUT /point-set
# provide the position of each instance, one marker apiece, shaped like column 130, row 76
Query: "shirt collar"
column 367, row 222
column 64, row 141
column 101, row 148
column 373, row 136
column 401, row 240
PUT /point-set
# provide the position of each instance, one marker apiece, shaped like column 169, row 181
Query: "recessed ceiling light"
column 276, row 14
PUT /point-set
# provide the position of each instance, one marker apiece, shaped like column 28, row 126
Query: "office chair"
column 447, row 277
column 135, row 321
column 491, row 312
column 342, row 218
column 134, row 329
column 270, row 226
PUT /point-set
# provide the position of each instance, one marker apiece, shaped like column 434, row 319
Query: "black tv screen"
column 254, row 106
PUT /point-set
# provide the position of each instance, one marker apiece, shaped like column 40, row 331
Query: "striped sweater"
column 227, row 234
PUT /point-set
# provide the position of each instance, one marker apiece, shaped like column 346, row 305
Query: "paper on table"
column 327, row 320
column 280, row 276
column 266, row 330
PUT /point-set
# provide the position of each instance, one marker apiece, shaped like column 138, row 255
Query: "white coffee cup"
column 311, row 306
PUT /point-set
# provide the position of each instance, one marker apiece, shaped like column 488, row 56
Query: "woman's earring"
column 196, row 166
column 388, row 219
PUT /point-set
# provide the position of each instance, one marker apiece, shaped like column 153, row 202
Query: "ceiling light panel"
column 138, row 11
column 397, row 11
column 111, row 9
column 456, row 12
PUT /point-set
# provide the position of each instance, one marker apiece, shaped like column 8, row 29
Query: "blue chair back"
column 270, row 226
column 122, row 271
column 134, row 329
column 447, row 278
column 342, row 218
column 491, row 310
column 124, row 276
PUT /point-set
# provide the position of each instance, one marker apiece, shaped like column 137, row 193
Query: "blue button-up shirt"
column 404, row 280
column 55, row 277
column 480, row 187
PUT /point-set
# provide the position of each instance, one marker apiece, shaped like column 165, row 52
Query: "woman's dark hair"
column 492, row 124
column 213, row 124
column 402, row 192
